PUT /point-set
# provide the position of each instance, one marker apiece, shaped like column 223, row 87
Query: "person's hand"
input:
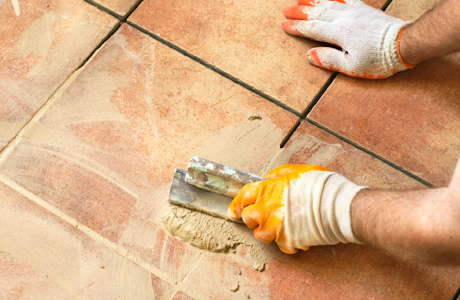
column 368, row 37
column 296, row 208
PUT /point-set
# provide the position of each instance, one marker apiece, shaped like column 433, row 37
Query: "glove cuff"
column 398, row 43
column 391, row 42
column 336, row 199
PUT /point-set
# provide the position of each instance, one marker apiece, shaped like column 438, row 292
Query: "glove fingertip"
column 232, row 214
column 288, row 250
column 313, row 58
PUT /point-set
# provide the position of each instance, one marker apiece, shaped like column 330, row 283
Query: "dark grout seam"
column 290, row 133
column 184, row 52
column 373, row 154
column 104, row 9
column 309, row 108
column 215, row 69
column 133, row 8
column 105, row 39
column 385, row 6
column 318, row 95
column 121, row 19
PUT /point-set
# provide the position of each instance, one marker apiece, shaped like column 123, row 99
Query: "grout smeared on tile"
column 213, row 234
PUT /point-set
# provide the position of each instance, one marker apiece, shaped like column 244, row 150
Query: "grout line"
column 169, row 293
column 318, row 95
column 290, row 133
column 215, row 69
column 131, row 10
column 12, row 144
column 104, row 9
column 99, row 46
column 373, row 154
column 184, row 52
column 386, row 4
column 309, row 108
column 15, row 141
column 88, row 231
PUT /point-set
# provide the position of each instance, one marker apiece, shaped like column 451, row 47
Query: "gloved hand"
column 368, row 37
column 299, row 206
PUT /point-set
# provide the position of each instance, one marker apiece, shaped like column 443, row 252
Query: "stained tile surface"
column 43, row 42
column 120, row 7
column 412, row 118
column 328, row 272
column 84, row 188
column 105, row 151
column 47, row 258
column 245, row 39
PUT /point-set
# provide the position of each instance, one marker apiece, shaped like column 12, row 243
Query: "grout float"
column 213, row 234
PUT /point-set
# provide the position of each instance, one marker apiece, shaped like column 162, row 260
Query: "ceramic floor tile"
column 120, row 7
column 181, row 296
column 235, row 280
column 43, row 42
column 412, row 118
column 328, row 272
column 42, row 257
column 243, row 38
column 105, row 151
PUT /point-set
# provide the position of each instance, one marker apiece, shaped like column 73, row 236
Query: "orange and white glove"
column 298, row 207
column 368, row 37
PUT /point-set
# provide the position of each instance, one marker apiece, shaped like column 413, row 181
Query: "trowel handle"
column 218, row 178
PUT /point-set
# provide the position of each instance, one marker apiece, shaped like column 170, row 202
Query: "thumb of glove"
column 328, row 58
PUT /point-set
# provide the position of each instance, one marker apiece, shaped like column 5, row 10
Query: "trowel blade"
column 184, row 194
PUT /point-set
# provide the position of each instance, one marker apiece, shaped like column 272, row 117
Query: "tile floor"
column 101, row 100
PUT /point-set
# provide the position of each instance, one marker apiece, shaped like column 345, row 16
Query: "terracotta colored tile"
column 329, row 272
column 42, row 257
column 40, row 49
column 159, row 286
column 180, row 296
column 244, row 39
column 311, row 145
column 105, row 151
column 412, row 118
column 121, row 7
column 356, row 272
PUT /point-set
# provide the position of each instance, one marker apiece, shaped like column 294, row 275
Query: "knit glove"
column 368, row 37
column 298, row 207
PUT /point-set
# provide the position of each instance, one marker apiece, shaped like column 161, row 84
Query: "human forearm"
column 412, row 225
column 435, row 34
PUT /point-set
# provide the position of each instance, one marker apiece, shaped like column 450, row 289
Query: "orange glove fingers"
column 287, row 25
column 251, row 216
column 287, row 169
column 246, row 196
column 295, row 12
column 266, row 226
column 282, row 244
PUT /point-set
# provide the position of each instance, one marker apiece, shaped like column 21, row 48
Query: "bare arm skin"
column 419, row 225
column 435, row 34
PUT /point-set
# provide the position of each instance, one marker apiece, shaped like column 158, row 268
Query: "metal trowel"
column 208, row 187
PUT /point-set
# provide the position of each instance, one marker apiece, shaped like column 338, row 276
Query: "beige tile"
column 412, row 118
column 42, row 257
column 243, row 38
column 105, row 151
column 43, row 42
